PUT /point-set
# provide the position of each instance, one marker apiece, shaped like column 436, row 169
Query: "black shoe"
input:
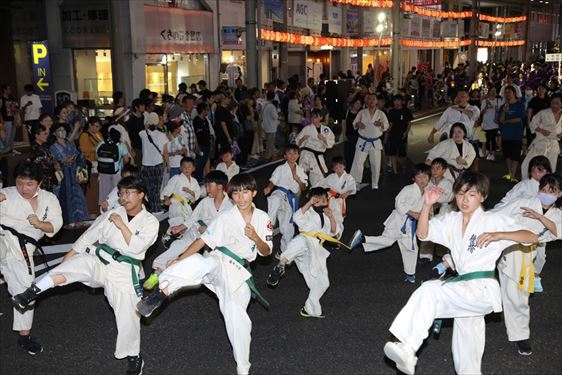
column 167, row 240
column 23, row 300
column 30, row 344
column 135, row 365
column 524, row 347
column 275, row 275
column 424, row 261
column 150, row 303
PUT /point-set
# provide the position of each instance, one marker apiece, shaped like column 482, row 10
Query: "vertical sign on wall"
column 42, row 84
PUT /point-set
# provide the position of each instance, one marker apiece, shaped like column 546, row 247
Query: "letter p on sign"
column 39, row 51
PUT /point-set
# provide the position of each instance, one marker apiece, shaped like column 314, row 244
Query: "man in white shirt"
column 31, row 106
column 270, row 123
column 461, row 112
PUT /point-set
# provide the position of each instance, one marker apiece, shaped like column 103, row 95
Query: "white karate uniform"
column 113, row 199
column 205, row 212
column 316, row 168
column 180, row 212
column 310, row 257
column 410, row 198
column 523, row 189
column 452, row 115
column 365, row 148
column 225, row 277
column 14, row 211
column 449, row 151
column 230, row 171
column 516, row 265
column 340, row 185
column 278, row 205
column 465, row 301
column 115, row 277
column 546, row 146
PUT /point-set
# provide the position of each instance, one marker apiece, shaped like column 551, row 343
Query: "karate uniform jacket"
column 524, row 189
column 231, row 171
column 546, row 144
column 410, row 198
column 370, row 130
column 179, row 211
column 449, row 151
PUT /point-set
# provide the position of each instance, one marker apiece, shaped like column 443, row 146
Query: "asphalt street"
column 76, row 325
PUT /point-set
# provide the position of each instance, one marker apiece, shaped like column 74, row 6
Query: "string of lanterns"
column 318, row 41
column 430, row 12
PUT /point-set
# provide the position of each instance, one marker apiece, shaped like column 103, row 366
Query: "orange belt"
column 334, row 194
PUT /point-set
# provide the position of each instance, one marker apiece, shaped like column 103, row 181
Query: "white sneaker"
column 403, row 356
column 16, row 152
column 375, row 187
column 491, row 157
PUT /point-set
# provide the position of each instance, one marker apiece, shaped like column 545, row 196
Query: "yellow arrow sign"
column 42, row 84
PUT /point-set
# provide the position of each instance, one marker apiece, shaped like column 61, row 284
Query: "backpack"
column 108, row 158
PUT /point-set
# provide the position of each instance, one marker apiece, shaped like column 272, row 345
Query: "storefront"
column 177, row 43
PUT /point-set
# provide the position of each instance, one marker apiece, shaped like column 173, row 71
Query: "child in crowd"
column 235, row 237
column 340, row 186
column 476, row 240
column 284, row 188
column 439, row 179
column 316, row 222
column 175, row 150
column 112, row 200
column 227, row 164
column 400, row 226
column 183, row 234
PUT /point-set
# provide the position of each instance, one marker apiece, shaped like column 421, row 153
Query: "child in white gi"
column 314, row 140
column 438, row 170
column 540, row 215
column 175, row 150
column 180, row 193
column 315, row 220
column 288, row 180
column 108, row 255
column 457, row 151
column 340, row 185
column 227, row 165
column 476, row 240
column 370, row 123
column 216, row 202
column 236, row 237
column 27, row 213
column 112, row 200
column 400, row 226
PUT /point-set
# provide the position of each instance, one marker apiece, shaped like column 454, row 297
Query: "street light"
column 381, row 26
column 497, row 35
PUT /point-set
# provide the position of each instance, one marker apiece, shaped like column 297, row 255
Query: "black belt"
column 317, row 155
column 24, row 240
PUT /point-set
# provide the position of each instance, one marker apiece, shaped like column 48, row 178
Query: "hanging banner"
column 334, row 19
column 85, row 24
column 415, row 26
column 352, row 21
column 307, row 14
column 42, row 84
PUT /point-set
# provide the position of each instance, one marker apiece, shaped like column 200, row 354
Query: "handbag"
column 81, row 175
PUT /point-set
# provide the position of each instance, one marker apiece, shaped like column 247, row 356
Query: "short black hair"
column 137, row 103
column 201, row 107
column 270, row 95
column 93, row 119
column 440, row 161
column 117, row 95
column 540, row 162
column 132, row 182
column 183, row 86
column 338, row 160
column 29, row 169
column 472, row 179
column 459, row 125
column 216, row 177
column 28, row 87
column 316, row 113
column 398, row 97
column 291, row 147
column 144, row 94
column 553, row 181
column 114, row 135
column 225, row 150
column 242, row 181
column 131, row 169
column 422, row 168
column 187, row 159
column 317, row 191
column 57, row 125
column 38, row 128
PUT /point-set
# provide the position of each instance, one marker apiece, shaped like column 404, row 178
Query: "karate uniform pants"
column 315, row 275
column 516, row 310
column 279, row 210
column 550, row 150
column 466, row 302
column 428, row 249
column 540, row 259
column 115, row 279
column 208, row 270
column 375, row 157
column 309, row 163
column 176, row 248
column 17, row 277
column 409, row 257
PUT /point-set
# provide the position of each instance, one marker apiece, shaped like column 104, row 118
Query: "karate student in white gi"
column 284, row 188
column 340, row 185
column 315, row 221
column 216, row 202
column 547, row 126
column 370, row 123
column 457, row 151
column 461, row 111
column 112, row 200
column 438, row 179
column 227, row 165
column 476, row 240
column 236, row 237
column 27, row 213
column 540, row 215
column 108, row 255
column 313, row 140
column 400, row 226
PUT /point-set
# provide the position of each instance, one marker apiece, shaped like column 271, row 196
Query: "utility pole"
column 360, row 49
column 396, row 22
column 472, row 48
column 251, row 43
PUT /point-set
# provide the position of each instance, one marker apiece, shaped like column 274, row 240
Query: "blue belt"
column 293, row 199
column 414, row 225
column 366, row 141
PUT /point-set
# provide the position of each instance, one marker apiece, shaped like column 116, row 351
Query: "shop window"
column 233, row 66
column 164, row 72
column 93, row 74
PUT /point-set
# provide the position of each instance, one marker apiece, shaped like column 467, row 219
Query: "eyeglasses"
column 126, row 193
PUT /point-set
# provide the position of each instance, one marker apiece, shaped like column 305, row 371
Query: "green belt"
column 467, row 276
column 251, row 283
column 117, row 256
column 201, row 223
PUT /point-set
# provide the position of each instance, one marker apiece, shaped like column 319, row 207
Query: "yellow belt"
column 324, row 237
column 523, row 274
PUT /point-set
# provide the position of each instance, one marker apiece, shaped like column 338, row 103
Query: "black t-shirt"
column 399, row 119
column 538, row 104
column 222, row 115
column 459, row 147
column 350, row 131
column 9, row 107
column 134, row 126
column 202, row 132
